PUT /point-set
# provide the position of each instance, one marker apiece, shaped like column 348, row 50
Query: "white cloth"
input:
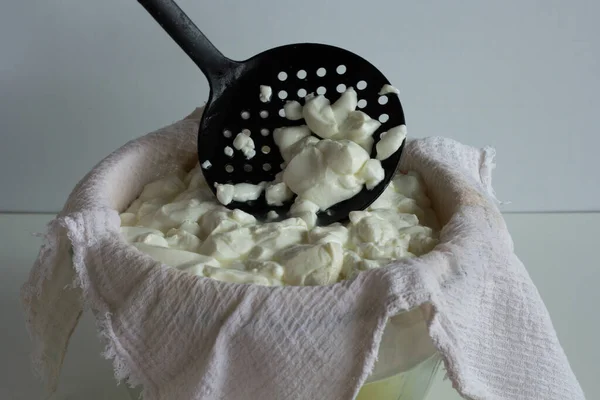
column 186, row 337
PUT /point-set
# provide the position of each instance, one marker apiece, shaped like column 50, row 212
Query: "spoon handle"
column 215, row 66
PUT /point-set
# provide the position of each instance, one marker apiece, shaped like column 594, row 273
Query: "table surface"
column 557, row 249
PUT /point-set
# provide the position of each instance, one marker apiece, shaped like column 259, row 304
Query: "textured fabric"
column 187, row 337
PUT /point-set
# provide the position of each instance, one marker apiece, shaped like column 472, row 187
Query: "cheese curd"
column 337, row 166
column 178, row 221
column 388, row 89
column 265, row 93
column 244, row 143
column 293, row 110
column 326, row 169
column 390, row 142
column 227, row 193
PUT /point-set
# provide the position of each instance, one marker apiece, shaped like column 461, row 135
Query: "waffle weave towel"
column 186, row 337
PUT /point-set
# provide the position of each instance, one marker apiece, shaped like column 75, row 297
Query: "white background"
column 79, row 78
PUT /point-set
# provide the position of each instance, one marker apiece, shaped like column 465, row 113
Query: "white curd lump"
column 327, row 160
column 178, row 221
column 387, row 89
column 265, row 93
column 244, row 143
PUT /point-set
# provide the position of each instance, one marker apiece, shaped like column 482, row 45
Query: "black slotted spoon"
column 292, row 71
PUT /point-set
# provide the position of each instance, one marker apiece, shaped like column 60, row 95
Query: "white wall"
column 80, row 78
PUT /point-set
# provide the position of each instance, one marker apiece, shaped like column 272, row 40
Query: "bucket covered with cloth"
column 197, row 301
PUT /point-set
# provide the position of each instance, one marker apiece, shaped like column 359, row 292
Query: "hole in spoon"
column 229, row 168
column 361, row 85
column 301, row 74
column 362, row 103
column 227, row 133
column 264, row 114
column 302, row 93
column 282, row 76
column 341, row 69
column 248, row 168
column 282, row 94
column 282, row 113
column 321, row 72
column 265, row 149
column 341, row 88
column 383, row 118
column 321, row 90
column 267, row 167
column 264, row 132
column 382, row 100
column 245, row 115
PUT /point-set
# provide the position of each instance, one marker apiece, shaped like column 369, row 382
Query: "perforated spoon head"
column 292, row 72
column 235, row 106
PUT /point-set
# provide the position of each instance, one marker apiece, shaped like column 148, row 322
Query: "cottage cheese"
column 265, row 93
column 390, row 142
column 332, row 166
column 293, row 110
column 177, row 221
column 245, row 144
column 388, row 89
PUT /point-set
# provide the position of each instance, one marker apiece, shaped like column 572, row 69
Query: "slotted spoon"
column 292, row 71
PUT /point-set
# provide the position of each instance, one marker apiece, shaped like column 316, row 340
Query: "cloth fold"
column 187, row 337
